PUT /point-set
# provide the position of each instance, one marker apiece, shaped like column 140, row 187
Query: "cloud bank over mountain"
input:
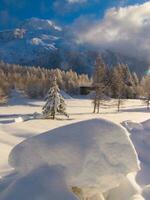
column 124, row 29
column 119, row 29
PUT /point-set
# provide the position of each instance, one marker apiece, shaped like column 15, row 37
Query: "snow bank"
column 94, row 155
column 141, row 139
column 97, row 144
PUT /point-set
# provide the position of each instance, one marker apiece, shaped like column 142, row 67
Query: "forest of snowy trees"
column 35, row 82
column 116, row 82
column 119, row 83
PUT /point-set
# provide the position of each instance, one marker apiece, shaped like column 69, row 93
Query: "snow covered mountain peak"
column 31, row 43
column 40, row 42
column 40, row 24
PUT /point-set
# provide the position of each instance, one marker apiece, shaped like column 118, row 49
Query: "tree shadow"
column 28, row 135
column 15, row 115
column 136, row 110
column 10, row 118
column 19, row 98
column 7, row 121
column 62, row 119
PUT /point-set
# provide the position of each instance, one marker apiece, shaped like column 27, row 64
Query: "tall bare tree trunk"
column 119, row 102
column 148, row 103
column 98, row 106
column 53, row 116
column 95, row 103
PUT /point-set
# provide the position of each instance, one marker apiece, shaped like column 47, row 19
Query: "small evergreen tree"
column 54, row 102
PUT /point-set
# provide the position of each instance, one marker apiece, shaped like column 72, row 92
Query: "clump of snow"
column 36, row 41
column 19, row 33
column 52, row 24
column 22, row 119
column 40, row 42
column 95, row 155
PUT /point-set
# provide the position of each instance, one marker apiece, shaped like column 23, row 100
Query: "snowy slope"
column 90, row 154
column 12, row 134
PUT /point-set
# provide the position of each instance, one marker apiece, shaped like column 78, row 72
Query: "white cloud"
column 125, row 29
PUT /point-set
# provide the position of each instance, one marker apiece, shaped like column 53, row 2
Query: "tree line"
column 36, row 81
column 117, row 82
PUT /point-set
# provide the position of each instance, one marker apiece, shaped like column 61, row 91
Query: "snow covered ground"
column 12, row 133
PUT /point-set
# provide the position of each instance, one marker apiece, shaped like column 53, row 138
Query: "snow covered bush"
column 55, row 103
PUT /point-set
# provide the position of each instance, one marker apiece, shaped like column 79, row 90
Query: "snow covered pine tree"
column 55, row 103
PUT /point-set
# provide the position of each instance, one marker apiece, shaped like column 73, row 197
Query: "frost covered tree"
column 146, row 90
column 118, row 84
column 54, row 102
column 99, row 83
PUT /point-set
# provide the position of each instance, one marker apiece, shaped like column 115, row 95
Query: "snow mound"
column 141, row 141
column 140, row 135
column 91, row 154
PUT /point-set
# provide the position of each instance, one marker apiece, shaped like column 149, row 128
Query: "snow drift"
column 94, row 155
column 140, row 136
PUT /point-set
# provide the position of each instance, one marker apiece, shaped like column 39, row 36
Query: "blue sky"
column 12, row 12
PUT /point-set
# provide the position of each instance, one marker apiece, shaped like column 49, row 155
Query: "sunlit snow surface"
column 35, row 163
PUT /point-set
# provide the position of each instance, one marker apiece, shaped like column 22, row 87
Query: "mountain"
column 42, row 43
